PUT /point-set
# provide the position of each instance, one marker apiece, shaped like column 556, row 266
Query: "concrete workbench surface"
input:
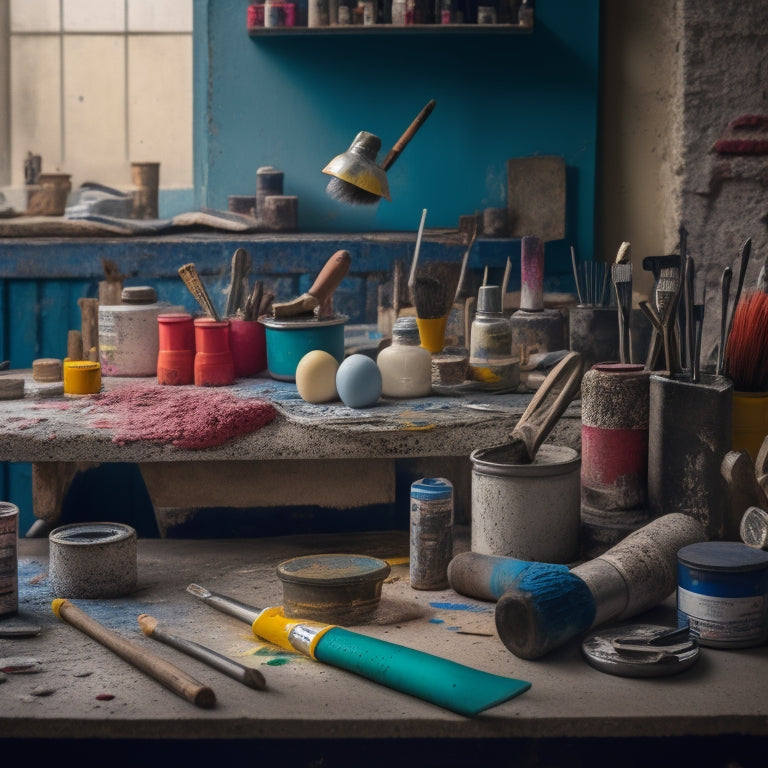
column 723, row 696
column 45, row 425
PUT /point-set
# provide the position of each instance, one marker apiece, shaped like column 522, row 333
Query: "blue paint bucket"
column 289, row 339
column 722, row 593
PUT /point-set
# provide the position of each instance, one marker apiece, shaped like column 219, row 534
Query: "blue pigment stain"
column 435, row 621
column 459, row 607
column 453, row 629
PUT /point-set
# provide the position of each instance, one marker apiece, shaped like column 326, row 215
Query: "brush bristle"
column 434, row 289
column 544, row 608
column 746, row 350
column 348, row 193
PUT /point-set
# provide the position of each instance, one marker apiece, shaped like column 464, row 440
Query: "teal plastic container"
column 289, row 339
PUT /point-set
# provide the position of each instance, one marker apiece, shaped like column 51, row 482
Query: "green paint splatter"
column 277, row 662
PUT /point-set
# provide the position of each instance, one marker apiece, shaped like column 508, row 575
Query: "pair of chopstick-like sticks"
column 157, row 668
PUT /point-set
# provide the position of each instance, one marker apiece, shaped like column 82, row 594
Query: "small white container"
column 128, row 333
column 406, row 366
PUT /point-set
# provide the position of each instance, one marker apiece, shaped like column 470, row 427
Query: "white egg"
column 358, row 381
column 316, row 377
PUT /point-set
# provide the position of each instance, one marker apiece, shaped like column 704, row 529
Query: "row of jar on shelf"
column 330, row 13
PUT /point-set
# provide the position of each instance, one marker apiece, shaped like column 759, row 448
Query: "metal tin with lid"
column 723, row 593
column 338, row 588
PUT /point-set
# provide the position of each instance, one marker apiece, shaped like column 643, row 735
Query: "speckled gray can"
column 92, row 560
column 527, row 511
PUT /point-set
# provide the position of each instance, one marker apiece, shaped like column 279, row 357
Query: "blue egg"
column 358, row 381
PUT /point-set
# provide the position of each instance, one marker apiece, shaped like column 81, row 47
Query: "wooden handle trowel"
column 325, row 284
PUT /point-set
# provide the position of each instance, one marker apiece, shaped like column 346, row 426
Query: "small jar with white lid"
column 406, row 366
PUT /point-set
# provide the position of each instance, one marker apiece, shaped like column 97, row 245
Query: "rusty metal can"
column 431, row 532
column 9, row 561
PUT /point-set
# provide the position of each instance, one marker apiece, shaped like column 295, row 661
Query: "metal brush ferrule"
column 302, row 636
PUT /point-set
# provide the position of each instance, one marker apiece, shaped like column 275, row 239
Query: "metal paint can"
column 722, row 593
column 526, row 511
column 431, row 532
column 9, row 562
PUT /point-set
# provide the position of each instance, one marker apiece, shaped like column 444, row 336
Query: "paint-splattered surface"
column 54, row 427
column 84, row 690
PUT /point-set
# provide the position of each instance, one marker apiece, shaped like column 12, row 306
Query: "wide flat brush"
column 667, row 294
column 192, row 280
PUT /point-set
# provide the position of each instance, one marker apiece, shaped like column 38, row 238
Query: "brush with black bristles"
column 361, row 182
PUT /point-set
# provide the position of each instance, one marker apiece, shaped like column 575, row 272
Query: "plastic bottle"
column 406, row 366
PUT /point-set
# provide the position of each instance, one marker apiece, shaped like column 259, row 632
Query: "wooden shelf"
column 390, row 29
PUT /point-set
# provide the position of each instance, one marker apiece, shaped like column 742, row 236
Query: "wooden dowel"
column 157, row 668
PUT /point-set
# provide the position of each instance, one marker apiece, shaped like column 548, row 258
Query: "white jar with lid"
column 406, row 366
column 128, row 333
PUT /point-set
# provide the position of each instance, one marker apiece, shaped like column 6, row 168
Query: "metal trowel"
column 547, row 405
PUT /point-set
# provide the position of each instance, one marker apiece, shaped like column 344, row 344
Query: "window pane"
column 160, row 121
column 94, row 105
column 35, row 15
column 35, row 116
column 94, row 15
column 166, row 16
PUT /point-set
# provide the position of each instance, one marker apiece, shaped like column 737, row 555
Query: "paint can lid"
column 641, row 650
column 431, row 489
column 730, row 556
column 139, row 294
column 489, row 299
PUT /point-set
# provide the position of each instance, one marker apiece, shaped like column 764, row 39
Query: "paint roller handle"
column 486, row 577
column 330, row 276
column 410, row 132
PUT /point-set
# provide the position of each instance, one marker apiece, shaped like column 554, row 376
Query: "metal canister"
column 9, row 561
column 431, row 532
column 722, row 593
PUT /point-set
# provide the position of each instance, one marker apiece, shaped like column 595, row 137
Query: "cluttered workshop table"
column 60, row 684
column 256, row 443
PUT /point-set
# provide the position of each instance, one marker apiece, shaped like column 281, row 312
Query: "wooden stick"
column 157, row 668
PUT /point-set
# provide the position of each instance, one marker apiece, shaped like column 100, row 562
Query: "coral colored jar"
column 176, row 356
column 214, row 366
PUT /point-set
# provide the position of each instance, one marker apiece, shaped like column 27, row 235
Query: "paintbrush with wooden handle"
column 327, row 281
column 157, row 668
column 245, row 675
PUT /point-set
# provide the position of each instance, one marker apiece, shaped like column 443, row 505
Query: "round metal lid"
column 333, row 569
column 302, row 321
column 641, row 650
column 731, row 556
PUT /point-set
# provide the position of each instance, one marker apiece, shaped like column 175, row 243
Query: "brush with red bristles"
column 746, row 349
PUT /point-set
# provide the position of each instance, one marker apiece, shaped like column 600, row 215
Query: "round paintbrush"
column 746, row 348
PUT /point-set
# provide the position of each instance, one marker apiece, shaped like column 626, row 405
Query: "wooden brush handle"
column 410, row 132
column 157, row 668
column 331, row 275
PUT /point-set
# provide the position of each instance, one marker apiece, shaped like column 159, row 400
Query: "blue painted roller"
column 540, row 606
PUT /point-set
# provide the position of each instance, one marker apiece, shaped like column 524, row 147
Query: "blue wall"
column 296, row 101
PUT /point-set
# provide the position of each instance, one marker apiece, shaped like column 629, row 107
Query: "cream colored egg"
column 316, row 377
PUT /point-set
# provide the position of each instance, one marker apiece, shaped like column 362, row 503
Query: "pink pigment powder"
column 192, row 419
